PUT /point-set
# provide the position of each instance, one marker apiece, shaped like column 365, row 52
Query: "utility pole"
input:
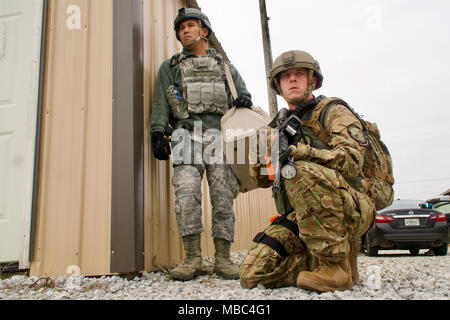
column 273, row 106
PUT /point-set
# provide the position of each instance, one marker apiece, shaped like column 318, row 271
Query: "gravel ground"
column 394, row 275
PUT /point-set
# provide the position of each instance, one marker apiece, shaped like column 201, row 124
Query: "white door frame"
column 38, row 47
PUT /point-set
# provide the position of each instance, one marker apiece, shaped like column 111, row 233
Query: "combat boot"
column 223, row 265
column 328, row 276
column 191, row 266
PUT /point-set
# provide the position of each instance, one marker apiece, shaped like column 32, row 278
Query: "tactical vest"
column 378, row 163
column 203, row 87
column 311, row 133
column 281, row 198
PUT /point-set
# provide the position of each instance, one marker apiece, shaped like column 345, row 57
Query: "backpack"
column 377, row 168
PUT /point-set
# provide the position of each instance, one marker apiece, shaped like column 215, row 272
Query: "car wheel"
column 441, row 251
column 414, row 251
column 370, row 251
column 361, row 245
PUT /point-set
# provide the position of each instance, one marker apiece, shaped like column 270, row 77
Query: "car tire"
column 361, row 245
column 442, row 250
column 414, row 251
column 370, row 251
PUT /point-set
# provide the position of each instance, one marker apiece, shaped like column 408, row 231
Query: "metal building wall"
column 73, row 227
column 74, row 198
column 162, row 242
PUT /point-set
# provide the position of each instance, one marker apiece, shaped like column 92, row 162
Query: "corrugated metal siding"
column 73, row 213
column 163, row 245
column 162, row 242
column 73, row 223
column 253, row 210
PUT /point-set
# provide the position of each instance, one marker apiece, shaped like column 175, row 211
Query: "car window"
column 442, row 207
column 403, row 204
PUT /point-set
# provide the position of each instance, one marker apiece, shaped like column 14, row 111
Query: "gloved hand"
column 243, row 102
column 286, row 154
column 160, row 146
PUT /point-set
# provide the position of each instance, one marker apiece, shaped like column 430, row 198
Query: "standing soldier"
column 191, row 92
column 323, row 200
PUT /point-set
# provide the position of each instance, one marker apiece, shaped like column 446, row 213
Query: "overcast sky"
column 390, row 60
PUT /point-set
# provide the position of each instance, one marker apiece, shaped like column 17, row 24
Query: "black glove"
column 285, row 154
column 160, row 146
column 243, row 102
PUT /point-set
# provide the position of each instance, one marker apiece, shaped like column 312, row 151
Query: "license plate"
column 412, row 222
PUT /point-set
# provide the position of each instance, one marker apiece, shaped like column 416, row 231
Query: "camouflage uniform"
column 266, row 266
column 326, row 199
column 223, row 188
column 173, row 102
column 191, row 94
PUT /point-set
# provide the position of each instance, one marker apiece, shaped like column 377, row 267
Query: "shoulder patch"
column 356, row 133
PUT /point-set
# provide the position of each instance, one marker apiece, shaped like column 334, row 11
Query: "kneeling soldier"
column 322, row 199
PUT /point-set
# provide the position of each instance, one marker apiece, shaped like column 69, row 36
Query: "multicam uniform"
column 327, row 200
column 191, row 89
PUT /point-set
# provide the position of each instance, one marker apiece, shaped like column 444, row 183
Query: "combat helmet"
column 295, row 59
column 191, row 13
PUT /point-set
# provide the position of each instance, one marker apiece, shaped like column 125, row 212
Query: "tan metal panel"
column 163, row 245
column 253, row 210
column 73, row 215
column 162, row 242
column 74, row 201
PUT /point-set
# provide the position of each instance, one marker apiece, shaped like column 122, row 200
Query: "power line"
column 425, row 180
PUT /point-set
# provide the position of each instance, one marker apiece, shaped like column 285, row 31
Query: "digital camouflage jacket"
column 170, row 76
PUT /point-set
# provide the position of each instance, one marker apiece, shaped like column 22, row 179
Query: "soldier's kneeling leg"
column 326, row 212
column 264, row 265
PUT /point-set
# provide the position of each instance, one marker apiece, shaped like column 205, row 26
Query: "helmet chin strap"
column 192, row 43
column 310, row 85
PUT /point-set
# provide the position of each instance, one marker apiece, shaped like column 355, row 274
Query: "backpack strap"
column 314, row 119
column 229, row 80
column 317, row 118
